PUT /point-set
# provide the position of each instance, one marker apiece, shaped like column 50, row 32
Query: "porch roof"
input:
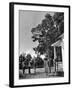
column 59, row 42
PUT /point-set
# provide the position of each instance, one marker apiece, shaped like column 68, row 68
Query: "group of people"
column 24, row 67
column 48, row 64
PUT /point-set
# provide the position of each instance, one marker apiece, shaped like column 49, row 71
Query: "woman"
column 46, row 65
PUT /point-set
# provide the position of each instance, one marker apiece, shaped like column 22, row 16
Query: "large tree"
column 59, row 21
column 47, row 32
column 40, row 34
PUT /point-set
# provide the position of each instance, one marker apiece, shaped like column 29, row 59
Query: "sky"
column 27, row 21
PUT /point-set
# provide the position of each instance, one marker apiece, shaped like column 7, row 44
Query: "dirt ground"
column 40, row 73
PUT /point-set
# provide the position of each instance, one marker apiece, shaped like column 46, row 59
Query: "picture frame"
column 18, row 12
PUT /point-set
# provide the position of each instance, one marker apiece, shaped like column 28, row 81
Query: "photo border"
column 11, row 42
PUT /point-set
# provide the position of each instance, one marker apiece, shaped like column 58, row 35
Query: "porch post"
column 62, row 54
column 55, row 57
column 54, row 52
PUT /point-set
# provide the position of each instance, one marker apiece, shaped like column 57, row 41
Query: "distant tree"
column 39, row 62
column 22, row 58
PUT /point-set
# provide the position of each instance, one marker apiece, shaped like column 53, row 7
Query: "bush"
column 60, row 73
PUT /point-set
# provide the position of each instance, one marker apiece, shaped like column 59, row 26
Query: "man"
column 50, row 64
column 23, row 65
column 29, row 67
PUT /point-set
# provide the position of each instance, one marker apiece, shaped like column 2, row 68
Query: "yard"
column 40, row 73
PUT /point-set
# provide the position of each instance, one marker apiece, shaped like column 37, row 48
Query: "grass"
column 40, row 73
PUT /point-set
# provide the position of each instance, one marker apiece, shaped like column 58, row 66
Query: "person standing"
column 46, row 65
column 23, row 65
column 50, row 64
column 29, row 67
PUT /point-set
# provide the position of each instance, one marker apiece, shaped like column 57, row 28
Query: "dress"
column 46, row 66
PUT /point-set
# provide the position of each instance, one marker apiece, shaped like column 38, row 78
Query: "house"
column 58, row 46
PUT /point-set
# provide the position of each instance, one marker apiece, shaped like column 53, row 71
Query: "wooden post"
column 55, row 57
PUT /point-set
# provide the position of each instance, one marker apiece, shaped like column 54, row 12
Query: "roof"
column 59, row 41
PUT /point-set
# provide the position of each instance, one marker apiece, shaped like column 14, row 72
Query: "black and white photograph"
column 41, row 44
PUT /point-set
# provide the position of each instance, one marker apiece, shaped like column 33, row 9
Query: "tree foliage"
column 22, row 58
column 47, row 32
column 39, row 62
